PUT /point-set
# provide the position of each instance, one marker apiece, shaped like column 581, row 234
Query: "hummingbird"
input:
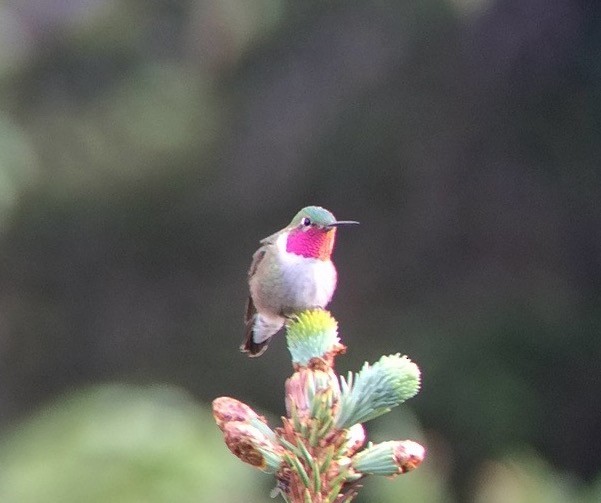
column 292, row 271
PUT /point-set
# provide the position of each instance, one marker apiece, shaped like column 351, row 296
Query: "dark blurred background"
column 147, row 145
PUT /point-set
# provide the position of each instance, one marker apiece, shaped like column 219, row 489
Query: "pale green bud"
column 312, row 335
column 376, row 389
column 389, row 458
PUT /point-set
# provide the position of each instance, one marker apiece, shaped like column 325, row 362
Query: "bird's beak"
column 343, row 222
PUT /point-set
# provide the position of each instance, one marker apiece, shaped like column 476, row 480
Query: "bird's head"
column 312, row 232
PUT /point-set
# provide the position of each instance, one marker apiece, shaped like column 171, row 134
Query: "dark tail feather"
column 249, row 345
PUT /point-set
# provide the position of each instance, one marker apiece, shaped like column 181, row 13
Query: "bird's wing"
column 257, row 257
column 269, row 240
column 250, row 312
column 250, row 305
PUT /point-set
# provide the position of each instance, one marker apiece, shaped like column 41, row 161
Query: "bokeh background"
column 147, row 145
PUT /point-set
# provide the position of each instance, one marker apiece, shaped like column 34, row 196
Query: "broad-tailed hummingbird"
column 290, row 272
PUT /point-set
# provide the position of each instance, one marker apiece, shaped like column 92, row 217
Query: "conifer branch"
column 316, row 455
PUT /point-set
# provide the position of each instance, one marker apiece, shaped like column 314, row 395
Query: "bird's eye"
column 306, row 222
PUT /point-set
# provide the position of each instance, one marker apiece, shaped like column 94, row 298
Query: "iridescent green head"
column 313, row 215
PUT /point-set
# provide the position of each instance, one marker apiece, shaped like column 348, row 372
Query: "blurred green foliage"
column 525, row 478
column 147, row 145
column 133, row 444
column 121, row 444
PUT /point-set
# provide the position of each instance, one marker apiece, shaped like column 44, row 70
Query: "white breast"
column 306, row 282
